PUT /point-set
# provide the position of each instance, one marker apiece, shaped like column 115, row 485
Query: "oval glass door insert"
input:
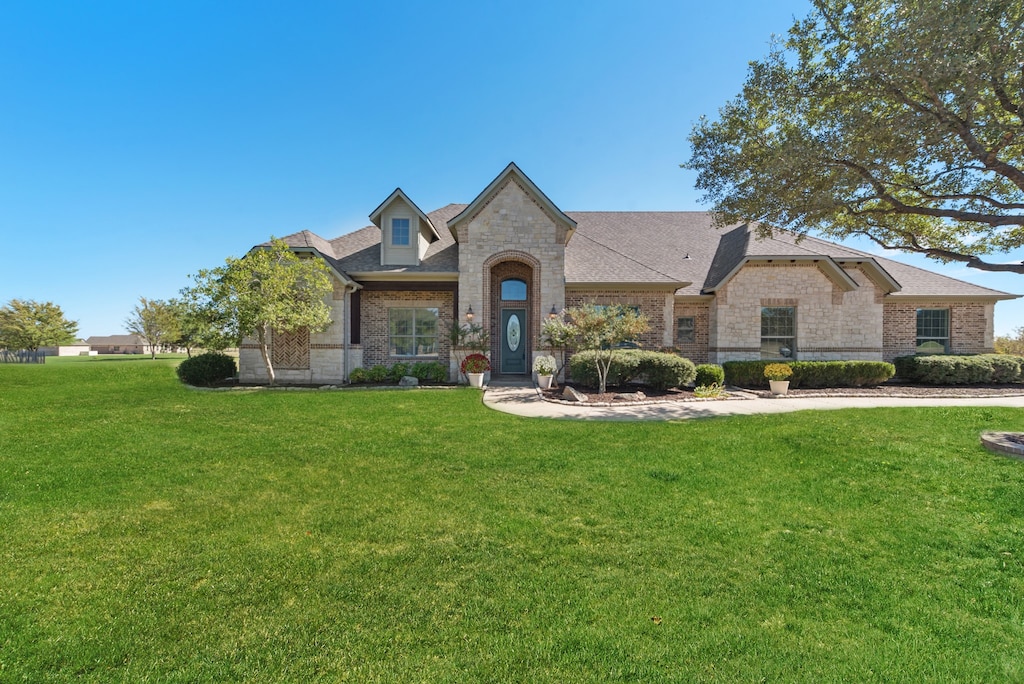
column 512, row 332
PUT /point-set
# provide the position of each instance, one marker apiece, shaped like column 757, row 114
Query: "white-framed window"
column 400, row 232
column 778, row 332
column 686, row 330
column 413, row 331
column 932, row 331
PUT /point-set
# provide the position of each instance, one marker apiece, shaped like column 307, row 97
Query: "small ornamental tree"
column 155, row 322
column 557, row 335
column 28, row 324
column 268, row 289
column 601, row 329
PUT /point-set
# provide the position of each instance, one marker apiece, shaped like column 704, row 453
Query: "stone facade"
column 970, row 323
column 830, row 324
column 511, row 227
column 324, row 357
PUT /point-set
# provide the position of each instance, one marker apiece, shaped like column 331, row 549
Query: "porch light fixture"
column 553, row 314
column 469, row 313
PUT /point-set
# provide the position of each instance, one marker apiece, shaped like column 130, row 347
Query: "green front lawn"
column 149, row 532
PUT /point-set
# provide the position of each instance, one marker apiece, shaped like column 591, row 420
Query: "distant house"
column 510, row 258
column 79, row 348
column 118, row 344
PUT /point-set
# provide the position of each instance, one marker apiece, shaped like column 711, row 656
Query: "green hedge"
column 812, row 374
column 660, row 370
column 959, row 370
column 709, row 374
column 424, row 371
column 206, row 369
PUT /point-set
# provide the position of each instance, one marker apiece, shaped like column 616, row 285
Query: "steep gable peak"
column 512, row 173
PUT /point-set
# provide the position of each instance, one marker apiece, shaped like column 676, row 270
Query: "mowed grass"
column 149, row 532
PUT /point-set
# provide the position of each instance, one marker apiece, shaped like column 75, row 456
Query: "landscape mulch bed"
column 889, row 389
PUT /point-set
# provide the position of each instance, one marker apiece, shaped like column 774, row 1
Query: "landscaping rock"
column 408, row 381
column 630, row 396
column 570, row 394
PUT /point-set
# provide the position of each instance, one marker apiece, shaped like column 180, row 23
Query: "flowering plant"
column 475, row 363
column 777, row 371
column 544, row 365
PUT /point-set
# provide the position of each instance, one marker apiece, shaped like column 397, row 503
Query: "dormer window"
column 400, row 232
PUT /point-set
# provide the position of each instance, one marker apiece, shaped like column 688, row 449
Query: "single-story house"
column 511, row 257
column 118, row 344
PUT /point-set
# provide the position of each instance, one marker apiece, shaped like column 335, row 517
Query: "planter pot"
column 544, row 381
column 779, row 386
column 476, row 380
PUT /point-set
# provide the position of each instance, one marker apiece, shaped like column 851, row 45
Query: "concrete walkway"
column 526, row 401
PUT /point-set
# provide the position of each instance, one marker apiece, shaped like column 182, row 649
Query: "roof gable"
column 399, row 195
column 512, row 172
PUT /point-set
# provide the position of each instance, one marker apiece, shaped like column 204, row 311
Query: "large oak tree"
column 898, row 120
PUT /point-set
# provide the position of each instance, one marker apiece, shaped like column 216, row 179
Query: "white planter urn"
column 779, row 386
column 544, row 381
column 476, row 380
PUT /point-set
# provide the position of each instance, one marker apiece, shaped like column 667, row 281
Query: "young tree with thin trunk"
column 269, row 289
column 602, row 329
column 154, row 321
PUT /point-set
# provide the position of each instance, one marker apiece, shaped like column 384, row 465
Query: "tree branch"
column 945, row 254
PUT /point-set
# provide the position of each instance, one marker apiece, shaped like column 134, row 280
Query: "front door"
column 513, row 341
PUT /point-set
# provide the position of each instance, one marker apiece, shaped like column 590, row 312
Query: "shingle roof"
column 652, row 248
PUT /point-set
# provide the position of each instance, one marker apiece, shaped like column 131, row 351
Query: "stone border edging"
column 1003, row 444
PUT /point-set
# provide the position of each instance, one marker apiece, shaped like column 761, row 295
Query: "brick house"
column 511, row 257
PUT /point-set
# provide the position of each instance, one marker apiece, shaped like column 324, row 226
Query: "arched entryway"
column 513, row 280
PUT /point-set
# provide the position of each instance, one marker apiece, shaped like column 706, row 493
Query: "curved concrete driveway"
column 525, row 401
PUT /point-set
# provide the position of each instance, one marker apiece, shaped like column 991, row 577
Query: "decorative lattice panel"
column 291, row 349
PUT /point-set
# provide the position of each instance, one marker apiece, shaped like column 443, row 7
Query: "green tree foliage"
column 28, row 324
column 1005, row 344
column 602, row 329
column 198, row 325
column 155, row 322
column 557, row 336
column 266, row 290
column 898, row 120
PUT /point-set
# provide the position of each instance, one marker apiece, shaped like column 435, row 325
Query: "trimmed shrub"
column 429, row 371
column 379, row 374
column 358, row 376
column 707, row 374
column 812, row 374
column 397, row 372
column 959, row 370
column 659, row 370
column 663, row 371
column 583, row 368
column 206, row 369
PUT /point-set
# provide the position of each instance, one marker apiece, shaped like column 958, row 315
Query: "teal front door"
column 513, row 341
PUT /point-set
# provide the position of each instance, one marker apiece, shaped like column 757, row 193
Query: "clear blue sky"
column 141, row 141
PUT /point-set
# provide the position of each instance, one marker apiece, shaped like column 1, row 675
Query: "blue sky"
column 140, row 142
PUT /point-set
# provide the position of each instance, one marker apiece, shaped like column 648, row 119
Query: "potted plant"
column 474, row 366
column 544, row 367
column 778, row 375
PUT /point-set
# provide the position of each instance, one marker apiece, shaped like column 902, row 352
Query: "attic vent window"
column 400, row 232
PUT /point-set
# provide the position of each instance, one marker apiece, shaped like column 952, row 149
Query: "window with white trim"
column 400, row 232
column 412, row 331
column 778, row 332
column 932, row 331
